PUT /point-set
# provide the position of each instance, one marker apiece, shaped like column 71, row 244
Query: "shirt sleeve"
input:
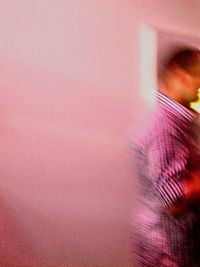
column 167, row 158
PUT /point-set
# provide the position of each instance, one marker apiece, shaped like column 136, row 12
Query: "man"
column 166, row 225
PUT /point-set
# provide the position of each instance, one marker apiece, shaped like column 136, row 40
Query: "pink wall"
column 68, row 88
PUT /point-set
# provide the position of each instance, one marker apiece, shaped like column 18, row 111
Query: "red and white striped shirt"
column 170, row 149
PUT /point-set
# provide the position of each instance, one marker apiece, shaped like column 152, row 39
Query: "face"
column 184, row 85
column 191, row 90
column 190, row 84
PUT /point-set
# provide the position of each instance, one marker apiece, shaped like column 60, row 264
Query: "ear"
column 180, row 74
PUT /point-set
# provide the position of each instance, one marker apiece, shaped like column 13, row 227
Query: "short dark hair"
column 185, row 58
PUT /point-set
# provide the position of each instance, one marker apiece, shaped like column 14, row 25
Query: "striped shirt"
column 166, row 151
column 174, row 157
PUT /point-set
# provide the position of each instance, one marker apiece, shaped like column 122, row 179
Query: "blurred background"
column 69, row 88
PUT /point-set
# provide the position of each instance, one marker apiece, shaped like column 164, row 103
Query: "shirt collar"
column 174, row 107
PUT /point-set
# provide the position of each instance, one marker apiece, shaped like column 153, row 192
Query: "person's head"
column 181, row 75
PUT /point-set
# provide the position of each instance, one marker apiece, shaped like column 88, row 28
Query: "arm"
column 192, row 196
column 168, row 158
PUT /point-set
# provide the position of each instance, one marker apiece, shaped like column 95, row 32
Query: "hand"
column 192, row 199
column 193, row 188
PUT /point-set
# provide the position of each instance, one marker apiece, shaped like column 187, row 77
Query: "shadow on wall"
column 65, row 171
column 14, row 246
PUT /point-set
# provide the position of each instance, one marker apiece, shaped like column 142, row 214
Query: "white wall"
column 68, row 89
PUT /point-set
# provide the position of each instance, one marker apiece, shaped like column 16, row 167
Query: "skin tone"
column 183, row 87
